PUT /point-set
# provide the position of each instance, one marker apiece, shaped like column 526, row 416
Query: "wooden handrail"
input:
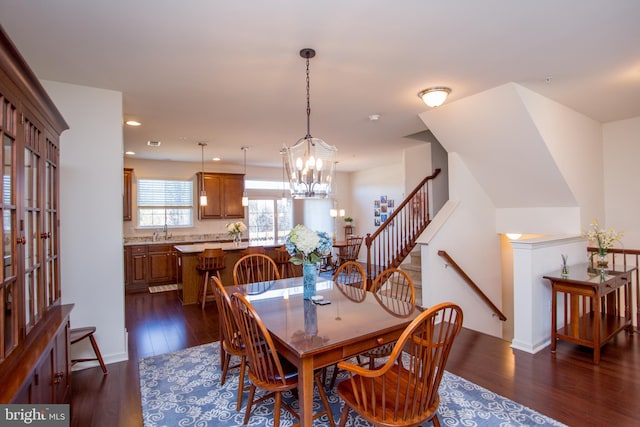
column 394, row 240
column 472, row 284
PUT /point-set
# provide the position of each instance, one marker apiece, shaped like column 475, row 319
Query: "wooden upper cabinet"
column 224, row 195
column 126, row 194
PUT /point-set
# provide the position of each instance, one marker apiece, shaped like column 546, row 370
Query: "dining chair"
column 281, row 258
column 404, row 391
column 395, row 290
column 268, row 370
column 351, row 273
column 351, row 279
column 255, row 268
column 350, row 251
column 210, row 262
column 230, row 338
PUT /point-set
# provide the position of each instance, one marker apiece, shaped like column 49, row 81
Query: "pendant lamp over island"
column 310, row 162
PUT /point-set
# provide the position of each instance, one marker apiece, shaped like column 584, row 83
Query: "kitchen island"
column 190, row 279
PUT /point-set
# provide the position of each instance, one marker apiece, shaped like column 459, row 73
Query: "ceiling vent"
column 153, row 143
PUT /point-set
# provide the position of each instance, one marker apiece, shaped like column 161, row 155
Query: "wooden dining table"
column 314, row 336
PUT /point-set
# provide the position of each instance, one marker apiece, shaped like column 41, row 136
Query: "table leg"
column 554, row 319
column 305, row 391
column 596, row 331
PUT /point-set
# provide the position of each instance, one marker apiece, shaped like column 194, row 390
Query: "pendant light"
column 245, row 198
column 203, row 193
column 310, row 162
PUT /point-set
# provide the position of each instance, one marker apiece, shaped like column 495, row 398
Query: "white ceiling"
column 229, row 72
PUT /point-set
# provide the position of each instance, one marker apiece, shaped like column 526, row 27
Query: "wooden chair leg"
column 325, row 401
column 204, row 288
column 94, row 344
column 241, row 387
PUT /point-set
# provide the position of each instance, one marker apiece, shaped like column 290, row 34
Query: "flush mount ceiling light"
column 434, row 96
column 203, row 193
column 310, row 162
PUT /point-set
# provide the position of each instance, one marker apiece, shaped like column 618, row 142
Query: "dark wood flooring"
column 565, row 386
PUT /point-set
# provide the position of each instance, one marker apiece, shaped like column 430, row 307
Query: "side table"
column 596, row 306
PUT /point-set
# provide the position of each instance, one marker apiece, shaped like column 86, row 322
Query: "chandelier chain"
column 308, row 104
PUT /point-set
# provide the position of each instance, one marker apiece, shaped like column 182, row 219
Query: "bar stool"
column 76, row 335
column 210, row 262
column 282, row 258
column 253, row 250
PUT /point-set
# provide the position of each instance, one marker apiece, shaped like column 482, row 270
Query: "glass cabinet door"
column 9, row 293
column 34, row 289
column 49, row 235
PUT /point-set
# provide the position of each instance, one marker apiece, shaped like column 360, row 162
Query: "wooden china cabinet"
column 34, row 325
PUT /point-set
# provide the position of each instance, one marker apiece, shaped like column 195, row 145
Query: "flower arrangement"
column 236, row 229
column 604, row 239
column 307, row 246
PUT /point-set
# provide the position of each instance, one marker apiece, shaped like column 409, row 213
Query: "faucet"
column 165, row 230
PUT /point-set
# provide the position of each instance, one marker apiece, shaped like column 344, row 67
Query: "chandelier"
column 310, row 162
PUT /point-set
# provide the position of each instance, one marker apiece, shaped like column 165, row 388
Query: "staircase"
column 412, row 265
column 396, row 238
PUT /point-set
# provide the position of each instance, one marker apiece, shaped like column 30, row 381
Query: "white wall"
column 91, row 214
column 469, row 237
column 575, row 143
column 621, row 141
column 368, row 186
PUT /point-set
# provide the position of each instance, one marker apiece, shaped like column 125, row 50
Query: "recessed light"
column 216, row 159
column 153, row 143
column 130, row 153
column 133, row 123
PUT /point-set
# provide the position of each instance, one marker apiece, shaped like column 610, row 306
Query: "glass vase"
column 602, row 261
column 309, row 276
column 236, row 240
column 310, row 319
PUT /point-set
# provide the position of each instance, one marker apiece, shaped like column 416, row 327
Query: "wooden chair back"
column 231, row 339
column 404, row 391
column 350, row 251
column 282, row 257
column 230, row 333
column 211, row 259
column 265, row 368
column 394, row 283
column 351, row 273
column 255, row 268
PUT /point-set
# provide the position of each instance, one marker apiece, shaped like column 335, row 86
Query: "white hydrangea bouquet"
column 236, row 229
column 307, row 246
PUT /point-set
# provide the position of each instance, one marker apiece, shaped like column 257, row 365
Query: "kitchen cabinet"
column 224, row 195
column 153, row 264
column 161, row 264
column 30, row 291
column 138, row 264
column 126, row 194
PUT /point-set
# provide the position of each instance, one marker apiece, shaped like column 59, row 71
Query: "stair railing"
column 396, row 237
column 472, row 285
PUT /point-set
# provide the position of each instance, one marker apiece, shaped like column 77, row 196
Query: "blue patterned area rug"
column 183, row 389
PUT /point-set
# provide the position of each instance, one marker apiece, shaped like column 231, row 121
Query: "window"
column 269, row 219
column 163, row 202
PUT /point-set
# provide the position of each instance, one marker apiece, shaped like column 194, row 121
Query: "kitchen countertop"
column 226, row 246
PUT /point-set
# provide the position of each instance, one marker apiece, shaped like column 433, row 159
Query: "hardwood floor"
column 565, row 386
